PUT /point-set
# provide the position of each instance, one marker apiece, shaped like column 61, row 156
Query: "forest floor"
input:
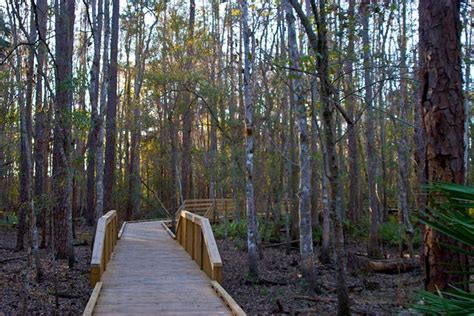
column 282, row 289
column 62, row 291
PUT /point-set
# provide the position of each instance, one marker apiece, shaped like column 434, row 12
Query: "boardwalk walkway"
column 151, row 274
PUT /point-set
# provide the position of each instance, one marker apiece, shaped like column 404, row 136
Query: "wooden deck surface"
column 151, row 274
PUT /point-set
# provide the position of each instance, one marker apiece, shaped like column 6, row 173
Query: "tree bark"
column 23, row 172
column 97, row 20
column 403, row 147
column 99, row 163
column 328, row 105
column 441, row 102
column 187, row 115
column 112, row 103
column 62, row 174
column 374, row 244
column 249, row 138
column 304, row 207
column 353, row 149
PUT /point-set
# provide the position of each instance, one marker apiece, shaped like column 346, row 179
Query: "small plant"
column 238, row 230
column 8, row 219
column 231, row 230
column 451, row 216
column 393, row 233
column 318, row 234
column 357, row 231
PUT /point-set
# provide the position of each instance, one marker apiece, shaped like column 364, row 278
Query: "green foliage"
column 233, row 230
column 451, row 215
column 357, row 231
column 8, row 220
column 318, row 234
column 238, row 230
column 394, row 233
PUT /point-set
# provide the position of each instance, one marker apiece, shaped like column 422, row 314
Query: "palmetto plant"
column 452, row 214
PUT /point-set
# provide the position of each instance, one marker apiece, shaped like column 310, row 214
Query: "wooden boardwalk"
column 150, row 273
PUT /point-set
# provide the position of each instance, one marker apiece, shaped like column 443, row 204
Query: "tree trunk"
column 41, row 138
column 99, row 164
column 187, row 116
column 23, row 172
column 62, row 179
column 373, row 246
column 441, row 101
column 304, row 207
column 328, row 104
column 403, row 147
column 353, row 149
column 97, row 19
column 249, row 137
column 112, row 100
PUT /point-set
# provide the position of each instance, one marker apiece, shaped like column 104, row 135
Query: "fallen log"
column 393, row 265
column 280, row 244
column 359, row 261
column 81, row 243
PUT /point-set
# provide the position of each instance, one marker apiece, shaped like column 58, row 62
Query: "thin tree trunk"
column 353, row 149
column 23, row 209
column 97, row 20
column 99, row 164
column 402, row 148
column 328, row 104
column 373, row 245
column 249, row 137
column 112, row 103
column 304, row 207
column 187, row 116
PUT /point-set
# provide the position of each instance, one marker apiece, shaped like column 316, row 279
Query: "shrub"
column 238, row 230
column 394, row 233
column 357, row 231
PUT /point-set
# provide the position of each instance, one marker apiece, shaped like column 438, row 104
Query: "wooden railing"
column 105, row 240
column 194, row 233
column 213, row 209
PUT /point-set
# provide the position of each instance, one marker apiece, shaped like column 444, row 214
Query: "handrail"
column 105, row 239
column 194, row 233
column 213, row 209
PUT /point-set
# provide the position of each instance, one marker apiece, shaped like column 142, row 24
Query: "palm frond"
column 452, row 215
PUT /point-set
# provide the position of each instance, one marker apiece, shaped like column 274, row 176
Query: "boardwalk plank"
column 151, row 274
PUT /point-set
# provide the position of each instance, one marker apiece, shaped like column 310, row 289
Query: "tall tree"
column 97, row 20
column 41, row 136
column 441, row 102
column 249, row 138
column 187, row 115
column 328, row 104
column 403, row 147
column 353, row 149
column 99, row 163
column 304, row 207
column 112, row 100
column 373, row 246
column 62, row 174
column 23, row 174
